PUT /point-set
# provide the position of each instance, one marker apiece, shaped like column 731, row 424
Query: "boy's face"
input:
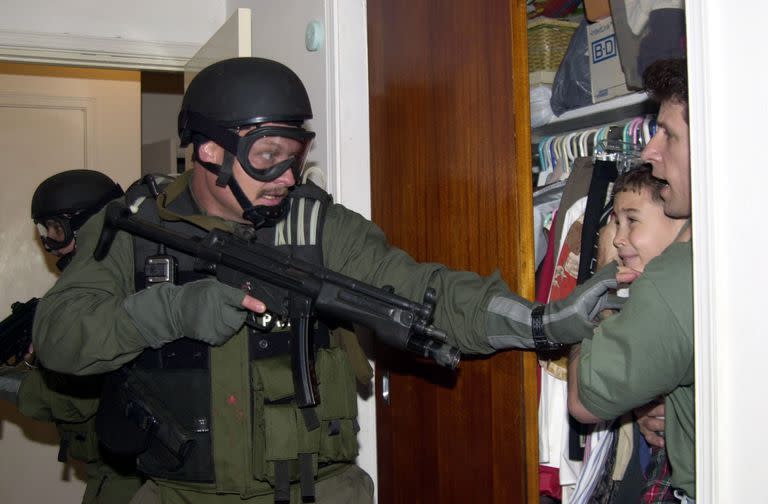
column 643, row 231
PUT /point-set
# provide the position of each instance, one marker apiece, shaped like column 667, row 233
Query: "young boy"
column 639, row 231
column 643, row 231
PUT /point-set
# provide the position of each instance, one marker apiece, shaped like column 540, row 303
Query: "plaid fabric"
column 658, row 487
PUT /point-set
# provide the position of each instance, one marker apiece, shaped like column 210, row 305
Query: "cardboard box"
column 604, row 65
column 595, row 10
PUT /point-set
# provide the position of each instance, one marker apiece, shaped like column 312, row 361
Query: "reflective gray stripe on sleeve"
column 508, row 323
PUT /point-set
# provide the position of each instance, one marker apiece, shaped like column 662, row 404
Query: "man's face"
column 669, row 154
column 267, row 152
column 643, row 231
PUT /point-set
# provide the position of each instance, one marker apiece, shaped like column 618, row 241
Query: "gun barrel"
column 403, row 323
column 441, row 353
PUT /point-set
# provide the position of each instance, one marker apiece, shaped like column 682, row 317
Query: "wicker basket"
column 547, row 43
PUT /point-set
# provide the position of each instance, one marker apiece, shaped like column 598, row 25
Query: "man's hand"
column 206, row 310
column 650, row 419
column 627, row 275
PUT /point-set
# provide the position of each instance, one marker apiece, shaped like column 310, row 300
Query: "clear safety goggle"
column 266, row 152
column 55, row 232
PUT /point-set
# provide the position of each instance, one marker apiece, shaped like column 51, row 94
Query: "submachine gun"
column 16, row 332
column 307, row 290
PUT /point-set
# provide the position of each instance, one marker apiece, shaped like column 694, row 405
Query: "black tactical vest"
column 173, row 441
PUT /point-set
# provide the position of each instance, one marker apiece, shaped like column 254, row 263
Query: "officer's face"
column 222, row 202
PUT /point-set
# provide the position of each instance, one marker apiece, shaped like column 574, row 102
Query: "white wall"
column 138, row 34
column 182, row 21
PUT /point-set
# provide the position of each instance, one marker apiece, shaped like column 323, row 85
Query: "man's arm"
column 575, row 406
column 646, row 350
column 81, row 326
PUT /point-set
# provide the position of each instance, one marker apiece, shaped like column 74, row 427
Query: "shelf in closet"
column 598, row 114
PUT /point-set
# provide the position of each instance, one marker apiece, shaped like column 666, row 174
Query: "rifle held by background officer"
column 16, row 332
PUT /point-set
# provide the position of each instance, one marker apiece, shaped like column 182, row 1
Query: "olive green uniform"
column 39, row 398
column 94, row 334
column 646, row 351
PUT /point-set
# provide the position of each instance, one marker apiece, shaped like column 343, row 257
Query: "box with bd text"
column 604, row 65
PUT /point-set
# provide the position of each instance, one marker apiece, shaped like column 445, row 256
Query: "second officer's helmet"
column 63, row 202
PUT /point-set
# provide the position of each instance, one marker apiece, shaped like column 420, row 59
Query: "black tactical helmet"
column 67, row 200
column 264, row 95
column 243, row 91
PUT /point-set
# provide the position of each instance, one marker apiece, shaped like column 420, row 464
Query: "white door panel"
column 51, row 119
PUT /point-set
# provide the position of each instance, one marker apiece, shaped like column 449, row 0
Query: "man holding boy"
column 646, row 351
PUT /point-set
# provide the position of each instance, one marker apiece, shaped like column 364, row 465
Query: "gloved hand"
column 572, row 319
column 511, row 321
column 206, row 310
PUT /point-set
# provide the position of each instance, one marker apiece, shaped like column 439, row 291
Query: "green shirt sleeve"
column 354, row 246
column 80, row 325
column 646, row 350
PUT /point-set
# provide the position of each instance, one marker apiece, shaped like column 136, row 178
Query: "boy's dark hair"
column 637, row 180
column 667, row 80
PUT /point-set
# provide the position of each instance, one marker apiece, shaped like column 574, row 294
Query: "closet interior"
column 456, row 169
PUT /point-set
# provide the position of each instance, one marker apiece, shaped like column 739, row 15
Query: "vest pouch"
column 81, row 439
column 180, row 447
column 118, row 433
column 338, row 406
column 279, row 432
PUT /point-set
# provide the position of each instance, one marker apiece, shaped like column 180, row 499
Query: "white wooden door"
column 51, row 119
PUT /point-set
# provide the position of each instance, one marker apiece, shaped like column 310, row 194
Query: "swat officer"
column 185, row 342
column 60, row 205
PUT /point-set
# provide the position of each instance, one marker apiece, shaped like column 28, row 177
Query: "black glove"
column 514, row 322
column 205, row 310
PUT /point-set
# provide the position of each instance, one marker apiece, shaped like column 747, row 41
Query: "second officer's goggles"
column 56, row 231
column 265, row 152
